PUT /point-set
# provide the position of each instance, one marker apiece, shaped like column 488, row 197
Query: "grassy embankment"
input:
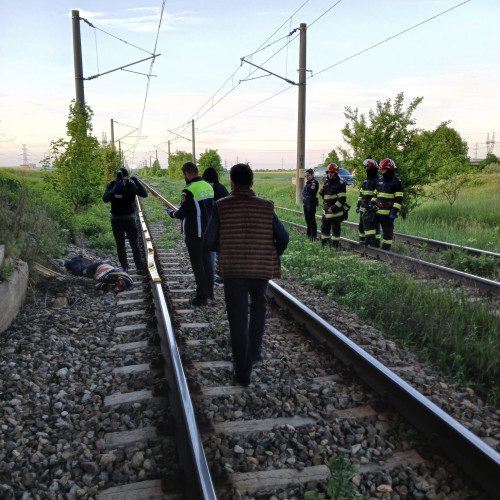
column 461, row 338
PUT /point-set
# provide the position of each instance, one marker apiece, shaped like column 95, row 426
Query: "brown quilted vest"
column 246, row 248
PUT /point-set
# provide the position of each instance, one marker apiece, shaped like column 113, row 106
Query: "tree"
column 78, row 162
column 388, row 133
column 175, row 162
column 112, row 161
column 490, row 159
column 332, row 157
column 448, row 167
column 210, row 158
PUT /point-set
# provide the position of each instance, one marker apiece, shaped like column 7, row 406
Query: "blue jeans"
column 246, row 335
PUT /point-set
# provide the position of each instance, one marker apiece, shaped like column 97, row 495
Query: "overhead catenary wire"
column 231, row 77
column 389, row 38
column 343, row 60
column 198, row 116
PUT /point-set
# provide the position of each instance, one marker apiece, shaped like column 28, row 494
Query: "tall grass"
column 462, row 338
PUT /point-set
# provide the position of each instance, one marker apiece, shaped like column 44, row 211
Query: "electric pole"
column 301, row 122
column 77, row 56
column 112, row 133
column 192, row 140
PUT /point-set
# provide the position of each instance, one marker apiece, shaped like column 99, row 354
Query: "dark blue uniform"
column 310, row 201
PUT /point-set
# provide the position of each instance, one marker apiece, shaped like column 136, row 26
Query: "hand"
column 357, row 210
column 118, row 186
column 135, row 179
column 392, row 216
column 169, row 211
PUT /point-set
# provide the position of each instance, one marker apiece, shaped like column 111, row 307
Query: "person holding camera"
column 121, row 192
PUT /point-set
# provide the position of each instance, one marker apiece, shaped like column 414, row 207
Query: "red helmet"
column 332, row 168
column 387, row 164
column 369, row 163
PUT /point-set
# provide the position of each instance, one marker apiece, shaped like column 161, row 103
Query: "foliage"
column 175, row 162
column 490, row 159
column 389, row 133
column 484, row 265
column 339, row 484
column 448, row 167
column 112, row 161
column 210, row 158
column 461, row 337
column 30, row 227
column 93, row 224
column 332, row 157
column 78, row 162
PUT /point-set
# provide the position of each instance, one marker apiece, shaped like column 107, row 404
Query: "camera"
column 119, row 176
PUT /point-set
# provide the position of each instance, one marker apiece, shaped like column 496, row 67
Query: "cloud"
column 147, row 22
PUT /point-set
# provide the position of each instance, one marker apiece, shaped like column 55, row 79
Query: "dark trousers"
column 310, row 216
column 246, row 335
column 201, row 262
column 387, row 225
column 129, row 228
column 76, row 266
column 369, row 233
column 332, row 225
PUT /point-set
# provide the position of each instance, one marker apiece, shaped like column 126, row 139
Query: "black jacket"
column 309, row 193
column 122, row 198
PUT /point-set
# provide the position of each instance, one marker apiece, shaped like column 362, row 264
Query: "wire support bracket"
column 270, row 72
column 121, row 67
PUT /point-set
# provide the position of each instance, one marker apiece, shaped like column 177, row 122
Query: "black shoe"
column 142, row 271
column 244, row 381
column 197, row 302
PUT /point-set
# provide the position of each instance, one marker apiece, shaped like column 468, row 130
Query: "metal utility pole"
column 301, row 123
column 112, row 133
column 192, row 140
column 77, row 56
column 168, row 154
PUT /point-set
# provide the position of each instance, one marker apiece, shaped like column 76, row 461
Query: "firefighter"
column 389, row 199
column 310, row 201
column 333, row 193
column 366, row 194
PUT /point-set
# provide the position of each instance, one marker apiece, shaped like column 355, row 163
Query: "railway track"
column 209, row 373
column 163, row 420
column 485, row 285
column 418, row 241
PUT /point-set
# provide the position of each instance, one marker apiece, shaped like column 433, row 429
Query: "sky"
column 243, row 112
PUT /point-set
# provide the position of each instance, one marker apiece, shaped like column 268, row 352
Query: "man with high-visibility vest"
column 195, row 211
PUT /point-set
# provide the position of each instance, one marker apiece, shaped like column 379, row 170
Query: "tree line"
column 431, row 163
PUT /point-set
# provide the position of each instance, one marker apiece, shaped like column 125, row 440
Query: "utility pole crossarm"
column 121, row 67
column 270, row 72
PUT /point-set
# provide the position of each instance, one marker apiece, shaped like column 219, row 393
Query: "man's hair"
column 190, row 168
column 241, row 175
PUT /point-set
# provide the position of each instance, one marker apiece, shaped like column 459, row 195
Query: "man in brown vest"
column 248, row 238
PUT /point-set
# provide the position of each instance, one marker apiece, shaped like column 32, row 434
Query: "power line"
column 343, row 60
column 149, row 80
column 113, row 36
column 231, row 78
column 390, row 38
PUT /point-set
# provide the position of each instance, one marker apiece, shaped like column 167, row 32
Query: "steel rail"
column 418, row 240
column 466, row 450
column 484, row 284
column 198, row 482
